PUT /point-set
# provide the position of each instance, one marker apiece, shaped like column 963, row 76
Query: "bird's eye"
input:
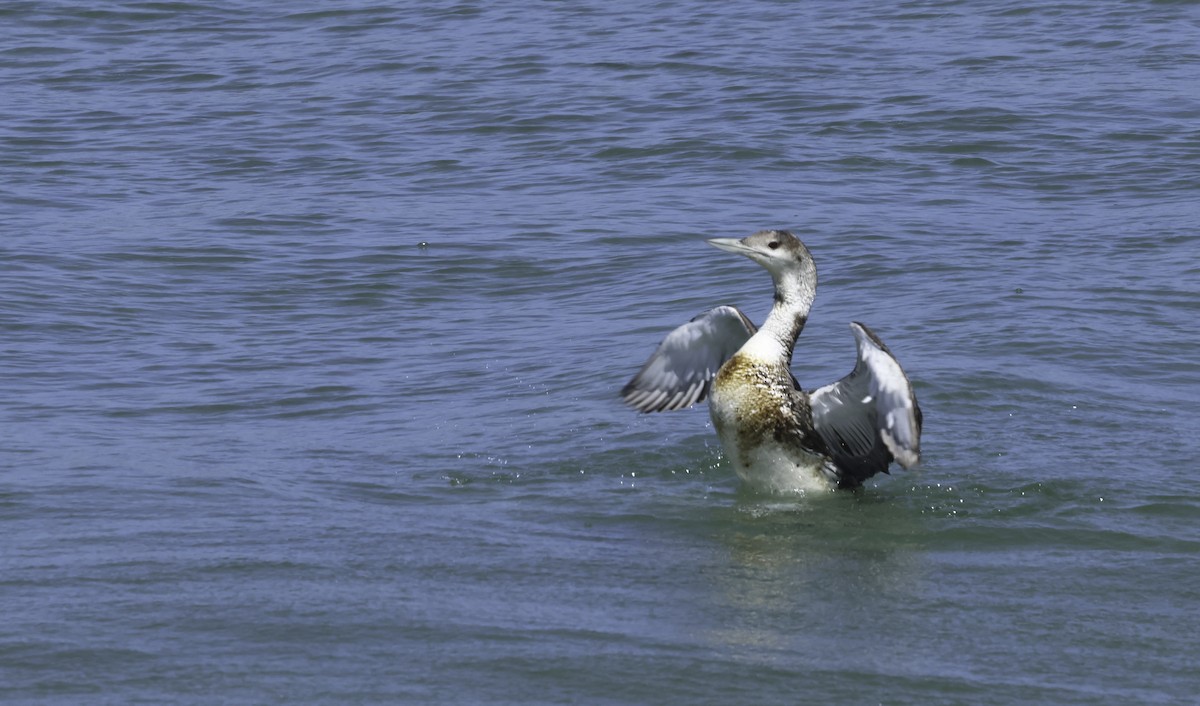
column 773, row 244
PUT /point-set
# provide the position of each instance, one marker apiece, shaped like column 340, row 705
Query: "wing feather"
column 871, row 416
column 680, row 371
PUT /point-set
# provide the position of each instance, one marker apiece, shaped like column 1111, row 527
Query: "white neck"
column 795, row 291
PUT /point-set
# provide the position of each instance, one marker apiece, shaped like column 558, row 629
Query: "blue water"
column 313, row 318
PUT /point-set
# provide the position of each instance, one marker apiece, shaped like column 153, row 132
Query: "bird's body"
column 765, row 427
column 779, row 437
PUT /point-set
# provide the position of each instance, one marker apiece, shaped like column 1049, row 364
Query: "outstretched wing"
column 681, row 370
column 870, row 416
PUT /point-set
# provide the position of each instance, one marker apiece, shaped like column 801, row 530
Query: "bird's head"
column 777, row 250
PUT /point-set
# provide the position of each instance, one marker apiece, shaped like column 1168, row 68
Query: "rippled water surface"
column 313, row 318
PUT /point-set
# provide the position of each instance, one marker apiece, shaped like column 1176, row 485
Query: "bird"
column 780, row 438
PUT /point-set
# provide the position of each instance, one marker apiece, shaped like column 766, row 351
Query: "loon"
column 780, row 438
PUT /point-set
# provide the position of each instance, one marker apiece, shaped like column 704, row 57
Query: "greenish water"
column 312, row 323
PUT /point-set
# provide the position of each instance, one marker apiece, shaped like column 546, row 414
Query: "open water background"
column 313, row 317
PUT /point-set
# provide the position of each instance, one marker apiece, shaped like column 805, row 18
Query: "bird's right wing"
column 871, row 416
column 681, row 370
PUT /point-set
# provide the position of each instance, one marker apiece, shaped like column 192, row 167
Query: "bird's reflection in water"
column 805, row 574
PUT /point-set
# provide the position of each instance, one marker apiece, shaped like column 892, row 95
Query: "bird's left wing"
column 681, row 369
column 870, row 416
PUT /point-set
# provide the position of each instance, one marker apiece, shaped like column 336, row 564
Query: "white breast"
column 747, row 406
